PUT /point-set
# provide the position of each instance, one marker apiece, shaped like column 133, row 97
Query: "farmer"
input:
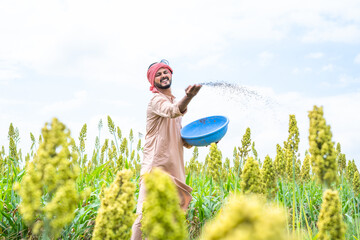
column 163, row 143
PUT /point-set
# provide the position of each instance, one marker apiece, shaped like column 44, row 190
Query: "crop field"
column 56, row 190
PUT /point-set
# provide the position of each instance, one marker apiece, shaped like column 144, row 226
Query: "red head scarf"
column 151, row 74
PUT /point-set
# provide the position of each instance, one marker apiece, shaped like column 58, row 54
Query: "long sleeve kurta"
column 163, row 143
column 163, row 149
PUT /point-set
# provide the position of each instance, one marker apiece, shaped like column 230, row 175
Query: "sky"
column 81, row 61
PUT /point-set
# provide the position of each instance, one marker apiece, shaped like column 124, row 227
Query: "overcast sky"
column 80, row 61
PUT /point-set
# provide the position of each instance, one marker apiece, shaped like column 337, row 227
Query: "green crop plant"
column 33, row 145
column 115, row 216
column 104, row 149
column 112, row 152
column 112, row 130
column 301, row 200
column 280, row 162
column 119, row 134
column 255, row 153
column 48, row 190
column 342, row 163
column 341, row 160
column 137, row 165
column 193, row 166
column 354, row 166
column 291, row 147
column 1, row 164
column 123, row 145
column 268, row 178
column 81, row 148
column 350, row 171
column 305, row 170
column 356, row 183
column 214, row 168
column 293, row 138
column 323, row 154
column 330, row 224
column 289, row 158
column 247, row 218
column 251, row 177
column 245, row 147
column 226, row 167
column 163, row 219
column 13, row 151
column 236, row 162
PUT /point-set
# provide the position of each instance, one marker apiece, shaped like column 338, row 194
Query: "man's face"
column 163, row 78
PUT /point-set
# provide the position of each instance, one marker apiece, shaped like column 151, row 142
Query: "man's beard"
column 158, row 85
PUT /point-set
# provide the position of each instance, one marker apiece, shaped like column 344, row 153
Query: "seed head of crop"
column 330, row 221
column 323, row 154
column 214, row 163
column 13, row 150
column 342, row 163
column 193, row 165
column 293, row 138
column 163, row 218
column 124, row 145
column 247, row 217
column 268, row 178
column 236, row 162
column 356, row 183
column 350, row 171
column 305, row 170
column 48, row 189
column 111, row 125
column 118, row 131
column 280, row 163
column 82, row 138
column 115, row 216
column 251, row 177
column 138, row 147
column 245, row 145
column 131, row 136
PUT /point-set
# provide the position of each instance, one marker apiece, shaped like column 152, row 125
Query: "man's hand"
column 191, row 91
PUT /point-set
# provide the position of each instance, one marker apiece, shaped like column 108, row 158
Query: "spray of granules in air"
column 234, row 92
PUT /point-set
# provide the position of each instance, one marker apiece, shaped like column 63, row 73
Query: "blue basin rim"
column 209, row 133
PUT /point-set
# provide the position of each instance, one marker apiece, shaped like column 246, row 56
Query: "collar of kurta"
column 170, row 97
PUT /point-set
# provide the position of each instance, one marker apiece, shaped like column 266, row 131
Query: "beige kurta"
column 163, row 149
column 163, row 143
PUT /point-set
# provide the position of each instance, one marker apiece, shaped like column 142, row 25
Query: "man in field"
column 163, row 143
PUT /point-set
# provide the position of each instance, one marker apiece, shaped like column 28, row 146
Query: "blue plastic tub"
column 205, row 131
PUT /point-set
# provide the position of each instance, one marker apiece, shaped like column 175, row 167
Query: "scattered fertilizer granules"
column 234, row 92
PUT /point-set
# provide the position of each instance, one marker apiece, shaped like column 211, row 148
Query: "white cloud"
column 98, row 41
column 333, row 33
column 315, row 55
column 343, row 82
column 296, row 70
column 66, row 105
column 308, row 70
column 346, row 80
column 328, row 68
column 212, row 60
